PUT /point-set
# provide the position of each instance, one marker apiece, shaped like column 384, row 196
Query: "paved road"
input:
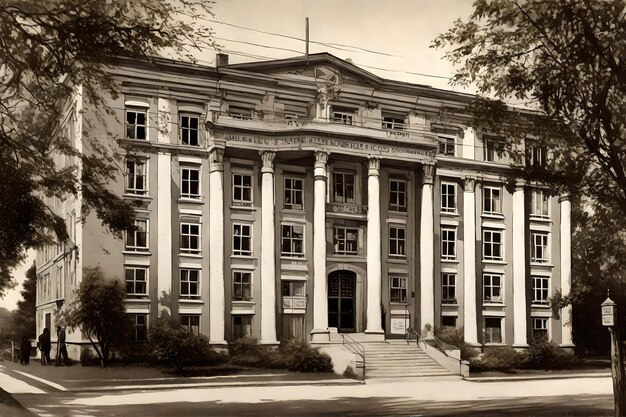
column 446, row 396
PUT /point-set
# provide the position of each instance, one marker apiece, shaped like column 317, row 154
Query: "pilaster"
column 374, row 265
column 216, row 247
column 320, row 292
column 268, row 250
column 469, row 261
column 427, row 253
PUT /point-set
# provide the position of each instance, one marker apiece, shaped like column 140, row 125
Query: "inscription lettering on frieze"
column 346, row 208
column 397, row 134
column 374, row 148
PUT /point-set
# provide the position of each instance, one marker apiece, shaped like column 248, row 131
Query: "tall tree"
column 99, row 312
column 49, row 48
column 24, row 316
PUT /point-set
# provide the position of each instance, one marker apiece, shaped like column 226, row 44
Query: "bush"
column 548, row 355
column 246, row 351
column 175, row 346
column 298, row 356
column 498, row 359
column 454, row 337
column 349, row 373
column 87, row 358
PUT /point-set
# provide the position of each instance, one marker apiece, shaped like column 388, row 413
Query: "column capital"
column 565, row 197
column 373, row 166
column 469, row 184
column 428, row 173
column 321, row 157
column 216, row 160
column 268, row 161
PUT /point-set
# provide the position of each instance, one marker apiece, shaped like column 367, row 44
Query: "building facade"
column 302, row 198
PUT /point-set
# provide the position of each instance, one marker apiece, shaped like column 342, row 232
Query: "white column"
column 566, row 269
column 469, row 262
column 216, row 247
column 268, row 251
column 519, row 270
column 374, row 254
column 427, row 253
column 164, row 211
column 320, row 297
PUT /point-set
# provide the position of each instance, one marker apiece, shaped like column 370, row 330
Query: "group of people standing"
column 45, row 346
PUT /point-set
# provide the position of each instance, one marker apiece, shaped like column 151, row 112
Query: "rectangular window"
column 189, row 283
column 493, row 150
column 190, row 183
column 242, row 326
column 448, row 197
column 492, row 245
column 539, row 203
column 292, row 243
column 446, row 145
column 492, row 288
column 190, row 238
column 343, row 116
column 393, row 122
column 343, row 187
column 536, row 157
column 492, row 200
column 140, row 327
column 346, row 240
column 136, row 124
column 293, row 288
column 539, row 250
column 242, row 239
column 540, row 328
column 242, row 285
column 240, row 113
column 448, row 288
column 242, row 189
column 448, row 321
column 448, row 243
column 493, row 330
column 397, row 241
column 189, row 132
column 136, row 177
column 137, row 240
column 293, row 193
column 136, row 282
column 541, row 288
column 190, row 323
column 397, row 195
column 397, row 289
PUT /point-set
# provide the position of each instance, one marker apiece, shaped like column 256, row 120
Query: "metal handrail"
column 354, row 347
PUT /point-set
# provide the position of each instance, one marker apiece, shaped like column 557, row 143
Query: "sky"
column 394, row 35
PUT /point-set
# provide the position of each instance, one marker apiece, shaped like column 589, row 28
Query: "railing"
column 440, row 345
column 354, row 347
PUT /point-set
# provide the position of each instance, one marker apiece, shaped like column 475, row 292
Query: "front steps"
column 397, row 359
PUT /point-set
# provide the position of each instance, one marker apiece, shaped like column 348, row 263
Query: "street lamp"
column 609, row 319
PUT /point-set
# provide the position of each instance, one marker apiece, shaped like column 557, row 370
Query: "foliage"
column 24, row 316
column 98, row 311
column 454, row 337
column 548, row 355
column 293, row 355
column 349, row 373
column 173, row 345
column 55, row 47
column 87, row 358
column 498, row 359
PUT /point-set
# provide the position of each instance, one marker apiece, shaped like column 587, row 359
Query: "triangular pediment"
column 324, row 67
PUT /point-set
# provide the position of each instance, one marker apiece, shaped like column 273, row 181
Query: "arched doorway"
column 342, row 301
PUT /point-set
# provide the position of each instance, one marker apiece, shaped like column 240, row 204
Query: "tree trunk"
column 617, row 368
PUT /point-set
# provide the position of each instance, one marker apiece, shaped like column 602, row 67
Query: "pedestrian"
column 25, row 351
column 45, row 345
column 61, row 348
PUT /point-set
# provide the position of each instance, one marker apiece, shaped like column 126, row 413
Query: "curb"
column 9, row 402
column 536, row 377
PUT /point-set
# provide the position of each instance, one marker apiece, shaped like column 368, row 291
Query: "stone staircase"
column 396, row 359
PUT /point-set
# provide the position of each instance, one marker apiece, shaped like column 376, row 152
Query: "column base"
column 320, row 335
column 375, row 335
column 520, row 346
column 567, row 346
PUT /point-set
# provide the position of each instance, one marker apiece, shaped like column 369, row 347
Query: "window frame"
column 448, row 286
column 537, row 156
column 544, row 328
column 446, row 145
column 493, row 149
column 189, row 181
column 246, row 331
column 250, row 188
column 344, row 186
column 135, row 247
column 189, row 283
column 446, row 244
column 493, row 245
column 294, row 193
column 488, row 195
column 189, row 129
column 137, row 327
column 292, row 239
column 398, row 288
column 134, row 190
column 391, row 121
column 488, row 288
column 239, row 282
column 343, row 115
column 545, row 249
column 541, row 293
column 395, row 204
column 189, row 249
column 135, row 126
column 337, row 240
column 397, row 242
column 489, row 335
column 445, row 196
column 136, row 282
column 189, row 327
column 240, row 251
column 539, row 199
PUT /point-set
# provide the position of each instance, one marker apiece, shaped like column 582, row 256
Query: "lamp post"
column 609, row 319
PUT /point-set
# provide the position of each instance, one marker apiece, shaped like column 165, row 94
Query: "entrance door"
column 341, row 303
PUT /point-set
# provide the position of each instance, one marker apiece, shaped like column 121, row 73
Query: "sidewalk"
column 84, row 379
